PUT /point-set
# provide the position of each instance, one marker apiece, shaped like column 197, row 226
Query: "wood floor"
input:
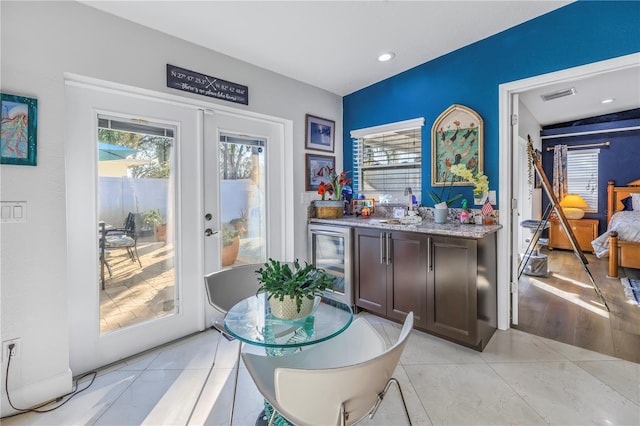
column 564, row 307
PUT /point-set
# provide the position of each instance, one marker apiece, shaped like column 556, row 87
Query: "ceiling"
column 334, row 45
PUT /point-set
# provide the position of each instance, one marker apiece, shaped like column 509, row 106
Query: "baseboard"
column 37, row 393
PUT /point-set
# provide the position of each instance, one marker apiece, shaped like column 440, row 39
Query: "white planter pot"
column 440, row 215
column 287, row 309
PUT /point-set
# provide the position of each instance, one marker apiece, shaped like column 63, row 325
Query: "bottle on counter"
column 465, row 217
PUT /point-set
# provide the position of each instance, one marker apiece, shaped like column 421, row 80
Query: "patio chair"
column 125, row 237
column 337, row 382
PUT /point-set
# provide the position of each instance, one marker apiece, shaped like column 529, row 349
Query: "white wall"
column 40, row 41
column 528, row 125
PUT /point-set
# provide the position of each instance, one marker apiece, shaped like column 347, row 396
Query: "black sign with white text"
column 194, row 82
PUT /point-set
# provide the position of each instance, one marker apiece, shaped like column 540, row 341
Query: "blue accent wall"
column 620, row 161
column 579, row 33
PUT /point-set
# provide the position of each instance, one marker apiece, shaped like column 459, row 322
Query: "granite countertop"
column 451, row 228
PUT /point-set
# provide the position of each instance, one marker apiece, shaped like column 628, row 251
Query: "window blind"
column 582, row 176
column 388, row 162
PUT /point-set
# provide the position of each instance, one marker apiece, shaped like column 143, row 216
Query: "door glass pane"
column 242, row 200
column 135, row 222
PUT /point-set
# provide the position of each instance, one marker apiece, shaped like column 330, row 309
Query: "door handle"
column 208, row 232
column 382, row 256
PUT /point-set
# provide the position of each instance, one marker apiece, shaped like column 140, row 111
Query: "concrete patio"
column 134, row 294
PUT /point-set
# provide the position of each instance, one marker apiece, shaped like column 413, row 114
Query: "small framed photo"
column 19, row 130
column 320, row 133
column 314, row 163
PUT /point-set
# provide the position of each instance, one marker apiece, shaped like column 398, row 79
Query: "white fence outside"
column 120, row 195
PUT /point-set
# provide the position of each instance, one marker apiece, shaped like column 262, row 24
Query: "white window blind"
column 388, row 162
column 582, row 176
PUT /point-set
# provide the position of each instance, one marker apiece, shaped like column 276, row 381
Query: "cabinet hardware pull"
column 382, row 257
column 429, row 260
column 388, row 249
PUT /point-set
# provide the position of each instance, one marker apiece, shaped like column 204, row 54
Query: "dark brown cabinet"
column 461, row 289
column 448, row 282
column 390, row 272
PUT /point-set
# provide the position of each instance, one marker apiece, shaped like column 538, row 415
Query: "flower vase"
column 329, row 209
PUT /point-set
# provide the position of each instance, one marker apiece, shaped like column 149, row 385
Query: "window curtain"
column 560, row 171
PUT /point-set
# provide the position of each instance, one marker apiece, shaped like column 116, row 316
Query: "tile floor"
column 518, row 379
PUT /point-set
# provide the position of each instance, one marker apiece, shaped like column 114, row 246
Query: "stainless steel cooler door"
column 330, row 249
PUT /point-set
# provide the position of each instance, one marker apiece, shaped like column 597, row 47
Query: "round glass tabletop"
column 251, row 321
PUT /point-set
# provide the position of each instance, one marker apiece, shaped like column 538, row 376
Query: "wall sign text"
column 201, row 84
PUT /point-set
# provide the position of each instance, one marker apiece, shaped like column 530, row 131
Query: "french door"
column 245, row 214
column 134, row 180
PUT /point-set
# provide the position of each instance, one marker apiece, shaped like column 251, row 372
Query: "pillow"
column 627, row 203
column 635, row 202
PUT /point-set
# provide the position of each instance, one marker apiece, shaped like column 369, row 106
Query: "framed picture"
column 456, row 138
column 313, row 165
column 320, row 133
column 19, row 130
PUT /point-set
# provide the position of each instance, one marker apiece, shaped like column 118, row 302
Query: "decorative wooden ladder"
column 555, row 205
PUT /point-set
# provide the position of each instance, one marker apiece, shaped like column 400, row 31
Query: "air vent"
column 558, row 94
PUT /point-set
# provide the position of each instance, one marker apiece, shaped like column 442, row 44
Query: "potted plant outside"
column 231, row 232
column 159, row 223
column 291, row 291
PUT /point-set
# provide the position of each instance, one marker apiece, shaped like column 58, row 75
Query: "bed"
column 621, row 241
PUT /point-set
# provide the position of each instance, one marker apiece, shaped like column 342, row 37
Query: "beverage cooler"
column 330, row 249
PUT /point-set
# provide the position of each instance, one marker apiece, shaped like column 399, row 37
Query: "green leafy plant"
column 232, row 229
column 439, row 198
column 279, row 280
column 154, row 218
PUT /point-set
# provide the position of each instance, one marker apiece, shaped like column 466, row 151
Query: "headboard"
column 617, row 193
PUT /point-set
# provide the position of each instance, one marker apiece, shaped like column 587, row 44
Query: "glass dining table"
column 252, row 322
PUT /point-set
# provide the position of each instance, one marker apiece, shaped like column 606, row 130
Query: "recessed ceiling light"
column 608, row 101
column 386, row 56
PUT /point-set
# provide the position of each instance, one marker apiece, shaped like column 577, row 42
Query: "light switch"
column 13, row 211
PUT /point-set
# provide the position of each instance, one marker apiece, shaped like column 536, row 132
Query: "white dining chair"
column 337, row 382
column 225, row 288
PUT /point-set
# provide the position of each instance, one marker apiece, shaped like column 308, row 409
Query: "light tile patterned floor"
column 518, row 379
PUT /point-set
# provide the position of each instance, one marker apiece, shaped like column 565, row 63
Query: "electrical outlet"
column 15, row 352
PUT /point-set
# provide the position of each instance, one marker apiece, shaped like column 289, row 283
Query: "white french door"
column 245, row 190
column 144, row 325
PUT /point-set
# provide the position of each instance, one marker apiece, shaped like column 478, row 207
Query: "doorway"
column 510, row 157
column 180, row 311
column 243, row 166
column 186, row 158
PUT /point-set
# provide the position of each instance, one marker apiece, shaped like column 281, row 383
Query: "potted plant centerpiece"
column 159, row 223
column 292, row 291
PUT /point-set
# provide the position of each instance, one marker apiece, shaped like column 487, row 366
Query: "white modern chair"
column 337, row 382
column 226, row 288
